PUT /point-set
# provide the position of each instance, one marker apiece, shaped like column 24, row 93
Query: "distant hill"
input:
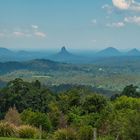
column 42, row 65
column 110, row 51
column 8, row 55
column 4, row 51
column 133, row 52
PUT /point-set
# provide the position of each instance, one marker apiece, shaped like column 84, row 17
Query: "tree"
column 94, row 103
column 24, row 95
column 70, row 98
column 130, row 91
column 13, row 117
column 37, row 84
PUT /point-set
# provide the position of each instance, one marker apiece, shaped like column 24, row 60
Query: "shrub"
column 65, row 134
column 7, row 129
column 27, row 131
column 106, row 138
column 85, row 133
column 36, row 119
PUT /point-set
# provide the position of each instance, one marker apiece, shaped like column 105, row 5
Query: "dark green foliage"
column 131, row 91
column 94, row 103
column 37, row 84
column 24, row 95
column 70, row 98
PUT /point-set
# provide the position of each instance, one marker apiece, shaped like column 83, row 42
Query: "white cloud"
column 122, row 4
column 116, row 24
column 40, row 34
column 19, row 34
column 134, row 19
column 34, row 26
column 22, row 33
column 127, row 5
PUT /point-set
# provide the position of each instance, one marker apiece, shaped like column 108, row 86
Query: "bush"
column 7, row 129
column 85, row 133
column 36, row 119
column 106, row 138
column 27, row 131
column 65, row 134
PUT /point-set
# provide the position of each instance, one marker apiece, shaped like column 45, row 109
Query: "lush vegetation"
column 29, row 110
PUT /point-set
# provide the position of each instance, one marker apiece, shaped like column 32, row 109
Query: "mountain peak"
column 110, row 51
column 134, row 52
column 63, row 55
column 64, row 51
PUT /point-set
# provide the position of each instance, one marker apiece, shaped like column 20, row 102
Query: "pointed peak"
column 64, row 53
column 63, row 48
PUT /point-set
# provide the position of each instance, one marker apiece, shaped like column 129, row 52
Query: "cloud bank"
column 127, row 5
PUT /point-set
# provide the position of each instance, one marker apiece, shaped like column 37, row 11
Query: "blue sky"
column 77, row 24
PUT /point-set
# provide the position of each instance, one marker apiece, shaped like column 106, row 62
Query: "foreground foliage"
column 70, row 115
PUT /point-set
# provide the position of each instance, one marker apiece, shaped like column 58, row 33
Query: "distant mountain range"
column 64, row 55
